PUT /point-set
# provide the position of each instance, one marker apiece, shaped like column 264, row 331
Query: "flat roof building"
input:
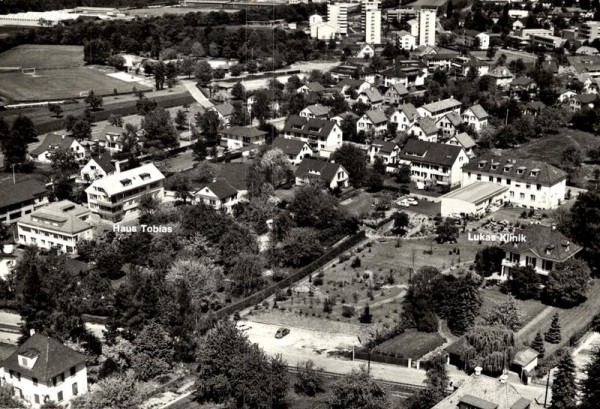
column 473, row 199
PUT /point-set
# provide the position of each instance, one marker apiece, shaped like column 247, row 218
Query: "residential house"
column 57, row 225
column 116, row 196
column 55, row 142
column 311, row 88
column 395, row 94
column 476, row 117
column 405, row 117
column 589, row 84
column 347, row 84
column 473, row 39
column 21, row 198
column 345, row 115
column 98, row 167
column 371, row 97
column 219, row 194
column 373, row 121
column 448, row 124
column 42, row 369
column 523, row 85
column 585, row 64
column 483, row 392
column 440, row 108
column 545, row 249
column 8, row 260
column 366, row 51
column 464, row 140
column 424, row 129
column 330, row 174
column 237, row 137
column 323, row 136
column 566, row 96
column 294, row 149
column 441, row 61
column 533, row 108
column 315, row 111
column 532, row 184
column 409, row 73
column 110, row 138
column 502, row 76
column 224, row 112
column 583, row 101
column 465, row 66
column 434, row 163
column 405, row 40
column 388, row 151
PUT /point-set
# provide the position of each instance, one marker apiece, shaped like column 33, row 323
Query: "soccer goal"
column 84, row 94
column 28, row 71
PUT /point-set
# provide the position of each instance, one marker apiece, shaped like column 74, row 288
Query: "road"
column 197, row 94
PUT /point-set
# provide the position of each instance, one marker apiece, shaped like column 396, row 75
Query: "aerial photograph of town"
column 300, row 204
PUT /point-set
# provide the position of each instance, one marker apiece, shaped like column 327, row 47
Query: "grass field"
column 60, row 84
column 411, row 344
column 529, row 309
column 42, row 56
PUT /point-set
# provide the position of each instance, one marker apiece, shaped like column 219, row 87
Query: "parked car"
column 412, row 201
column 282, row 332
column 403, row 203
column 242, row 326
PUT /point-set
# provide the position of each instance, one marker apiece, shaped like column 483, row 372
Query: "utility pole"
column 547, row 386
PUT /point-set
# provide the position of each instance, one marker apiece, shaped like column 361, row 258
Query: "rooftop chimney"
column 478, row 370
column 31, row 332
column 503, row 378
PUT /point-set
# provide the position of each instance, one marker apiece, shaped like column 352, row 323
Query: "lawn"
column 411, row 344
column 61, row 84
column 42, row 56
column 492, row 296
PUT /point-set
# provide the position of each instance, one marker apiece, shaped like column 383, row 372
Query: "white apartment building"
column 323, row 136
column 531, row 184
column 426, row 18
column 337, row 14
column 405, row 40
column 589, row 31
column 42, row 369
column 118, row 195
column 58, row 225
column 438, row 109
column 373, row 26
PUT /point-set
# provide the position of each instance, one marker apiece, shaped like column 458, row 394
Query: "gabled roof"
column 454, row 118
column 399, row 88
column 522, row 82
column 236, row 173
column 386, row 147
column 377, row 116
column 128, row 180
column 545, row 242
column 244, row 131
column 430, row 152
column 315, row 87
column 104, row 161
column 465, row 140
column 111, row 129
column 479, row 112
column 318, row 110
column 500, row 72
column 373, row 95
column 535, row 105
column 409, row 110
column 586, row 98
column 53, row 358
column 224, row 109
column 349, row 82
column 289, row 146
column 23, row 191
column 525, row 356
column 517, row 169
column 326, row 171
column 53, row 141
column 310, row 128
column 221, row 188
column 447, row 103
column 427, row 125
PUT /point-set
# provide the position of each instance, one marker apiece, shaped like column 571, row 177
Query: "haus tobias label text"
column 143, row 228
column 504, row 237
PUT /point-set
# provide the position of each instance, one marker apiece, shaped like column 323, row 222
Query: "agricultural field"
column 42, row 57
column 60, row 84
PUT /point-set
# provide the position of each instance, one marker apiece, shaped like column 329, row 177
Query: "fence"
column 288, row 281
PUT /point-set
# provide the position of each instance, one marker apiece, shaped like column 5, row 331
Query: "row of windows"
column 508, row 181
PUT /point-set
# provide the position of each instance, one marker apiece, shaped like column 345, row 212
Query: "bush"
column 348, row 311
column 355, row 263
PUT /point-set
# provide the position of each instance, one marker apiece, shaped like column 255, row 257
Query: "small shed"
column 524, row 362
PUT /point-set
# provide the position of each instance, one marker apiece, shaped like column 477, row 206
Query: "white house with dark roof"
column 448, row 124
column 294, row 149
column 57, row 225
column 224, row 112
column 366, row 51
column 424, row 129
column 330, row 174
column 545, row 249
column 54, row 142
column 370, row 97
column 374, row 121
column 323, row 136
column 311, row 87
column 42, row 369
column 463, row 139
column 476, row 117
column 98, row 167
column 110, row 138
column 433, row 163
column 219, row 194
column 396, row 94
column 386, row 150
column 21, row 198
column 532, row 184
column 405, row 116
column 580, row 101
column 237, row 137
column 116, row 196
column 440, row 108
column 315, row 111
column 502, row 76
column 348, row 83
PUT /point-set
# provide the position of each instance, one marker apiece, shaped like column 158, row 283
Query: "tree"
column 14, row 147
column 354, row 160
column 55, row 109
column 240, row 116
column 570, row 160
column 584, row 228
column 538, row 345
column 203, row 72
column 201, row 276
column 209, row 123
column 199, row 150
column 114, row 392
column 506, row 313
column 63, row 162
column 564, row 387
column 309, row 380
column 180, row 184
column 159, row 131
column 447, row 231
column 115, row 120
column 247, row 273
column 553, row 334
column 374, row 182
column 95, row 51
column 590, row 386
column 23, row 128
column 94, row 101
column 460, row 301
column 148, row 204
column 524, row 283
column 7, row 397
column 489, row 260
column 180, row 119
column 238, row 91
column 437, row 384
column 187, row 66
column 261, row 108
column 153, row 352
column 490, row 347
column 403, row 174
column 81, row 130
column 117, row 61
column 366, row 316
column 401, row 222
column 567, row 285
column 357, row 390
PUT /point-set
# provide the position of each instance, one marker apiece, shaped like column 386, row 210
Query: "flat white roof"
column 476, row 192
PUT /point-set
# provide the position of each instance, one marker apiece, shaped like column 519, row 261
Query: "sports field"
column 42, row 56
column 60, row 84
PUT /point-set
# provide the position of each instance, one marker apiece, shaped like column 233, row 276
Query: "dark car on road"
column 282, row 332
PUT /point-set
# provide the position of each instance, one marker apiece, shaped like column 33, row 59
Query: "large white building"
column 337, row 14
column 371, row 20
column 42, row 370
column 58, row 225
column 118, row 195
column 426, row 18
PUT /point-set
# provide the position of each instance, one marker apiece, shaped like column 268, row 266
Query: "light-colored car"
column 412, row 201
column 403, row 203
column 243, row 326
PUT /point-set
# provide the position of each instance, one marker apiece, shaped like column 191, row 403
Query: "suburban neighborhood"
column 360, row 204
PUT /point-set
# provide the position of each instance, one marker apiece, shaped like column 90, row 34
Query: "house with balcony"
column 433, row 163
column 42, row 370
column 21, row 198
column 438, row 109
column 56, row 142
column 544, row 248
column 294, row 149
column 117, row 196
column 57, row 225
column 388, row 151
column 532, row 184
column 315, row 111
column 373, row 121
column 328, row 174
column 323, row 136
column 237, row 137
column 220, row 195
column 405, row 116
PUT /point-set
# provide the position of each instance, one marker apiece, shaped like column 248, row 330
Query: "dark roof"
column 478, row 111
column 545, row 242
column 457, row 347
column 104, row 160
column 385, row 146
column 289, row 146
column 586, row 98
column 20, row 192
column 224, row 109
column 427, row 125
column 377, row 116
column 53, row 358
column 315, row 87
column 311, row 128
column 326, row 170
column 236, row 173
column 222, row 188
column 416, row 150
column 52, row 141
column 244, row 131
column 517, row 169
column 521, row 404
column 477, row 402
column 522, row 82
